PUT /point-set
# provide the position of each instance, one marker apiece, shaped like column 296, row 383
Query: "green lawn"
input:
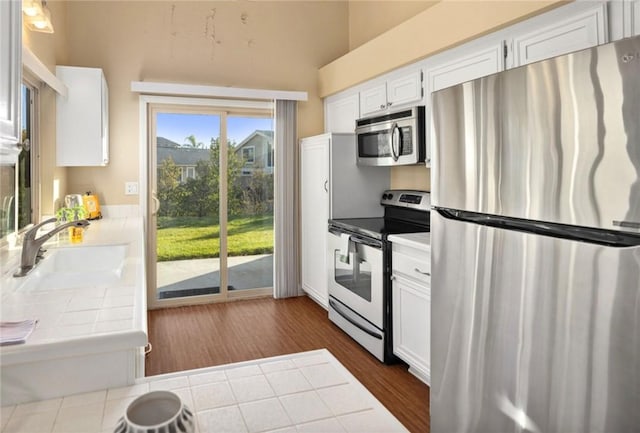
column 184, row 238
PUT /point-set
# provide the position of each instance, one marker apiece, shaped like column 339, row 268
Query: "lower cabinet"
column 411, row 310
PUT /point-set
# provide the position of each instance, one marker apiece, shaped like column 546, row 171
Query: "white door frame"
column 145, row 102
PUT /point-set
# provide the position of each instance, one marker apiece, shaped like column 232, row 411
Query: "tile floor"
column 307, row 392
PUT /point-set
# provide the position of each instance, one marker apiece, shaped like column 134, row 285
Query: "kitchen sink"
column 78, row 266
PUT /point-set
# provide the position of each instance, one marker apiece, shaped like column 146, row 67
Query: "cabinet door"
column 635, row 13
column 341, row 114
column 405, row 89
column 581, row 31
column 373, row 99
column 82, row 118
column 105, row 121
column 411, row 311
column 314, row 194
column 464, row 68
column 10, row 75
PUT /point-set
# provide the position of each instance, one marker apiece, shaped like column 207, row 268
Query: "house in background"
column 257, row 152
column 184, row 157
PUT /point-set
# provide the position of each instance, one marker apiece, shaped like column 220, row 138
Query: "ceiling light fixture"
column 38, row 16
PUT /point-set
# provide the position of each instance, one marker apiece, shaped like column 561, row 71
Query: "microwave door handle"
column 395, row 141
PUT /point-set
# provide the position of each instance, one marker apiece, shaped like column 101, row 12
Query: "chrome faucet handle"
column 31, row 233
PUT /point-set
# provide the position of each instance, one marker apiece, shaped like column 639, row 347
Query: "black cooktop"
column 378, row 228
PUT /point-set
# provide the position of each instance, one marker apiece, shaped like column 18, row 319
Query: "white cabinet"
column 341, row 113
column 332, row 186
column 82, row 121
column 398, row 89
column 624, row 19
column 10, row 78
column 466, row 67
column 314, row 200
column 374, row 99
column 633, row 12
column 458, row 67
column 579, row 31
column 411, row 307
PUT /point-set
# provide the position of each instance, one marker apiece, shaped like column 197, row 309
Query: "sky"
column 176, row 127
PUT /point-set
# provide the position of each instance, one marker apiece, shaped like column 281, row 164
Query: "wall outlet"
column 131, row 188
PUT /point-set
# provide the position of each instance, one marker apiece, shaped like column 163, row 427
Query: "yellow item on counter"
column 76, row 235
column 92, row 206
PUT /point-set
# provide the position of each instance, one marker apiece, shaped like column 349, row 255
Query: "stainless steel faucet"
column 32, row 247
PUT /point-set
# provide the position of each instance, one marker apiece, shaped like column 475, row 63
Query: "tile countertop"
column 72, row 321
column 302, row 392
column 421, row 241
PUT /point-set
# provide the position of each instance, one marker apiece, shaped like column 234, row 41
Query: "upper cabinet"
column 82, row 121
column 398, row 89
column 582, row 30
column 624, row 19
column 10, row 77
column 341, row 113
column 465, row 67
column 456, row 67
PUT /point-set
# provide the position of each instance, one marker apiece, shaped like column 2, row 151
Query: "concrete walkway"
column 245, row 272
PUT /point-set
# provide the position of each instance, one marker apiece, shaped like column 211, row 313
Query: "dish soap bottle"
column 76, row 233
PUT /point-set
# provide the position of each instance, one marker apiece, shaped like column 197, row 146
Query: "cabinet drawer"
column 412, row 263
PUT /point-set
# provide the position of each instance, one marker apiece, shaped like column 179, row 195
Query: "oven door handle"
column 337, row 309
column 357, row 240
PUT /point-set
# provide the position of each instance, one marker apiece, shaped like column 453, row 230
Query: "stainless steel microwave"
column 392, row 139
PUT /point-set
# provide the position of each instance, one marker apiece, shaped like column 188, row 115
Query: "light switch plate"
column 131, row 188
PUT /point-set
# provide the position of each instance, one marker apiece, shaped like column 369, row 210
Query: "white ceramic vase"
column 156, row 412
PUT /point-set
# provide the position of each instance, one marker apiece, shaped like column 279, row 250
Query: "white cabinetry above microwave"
column 397, row 90
column 82, row 121
column 341, row 113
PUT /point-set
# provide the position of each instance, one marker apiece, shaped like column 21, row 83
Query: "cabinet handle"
column 382, row 106
column 147, row 349
column 393, row 278
column 389, row 104
column 421, row 272
column 326, row 184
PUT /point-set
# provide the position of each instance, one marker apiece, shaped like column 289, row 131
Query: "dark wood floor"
column 184, row 338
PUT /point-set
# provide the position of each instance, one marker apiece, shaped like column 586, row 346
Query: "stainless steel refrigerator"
column 535, row 247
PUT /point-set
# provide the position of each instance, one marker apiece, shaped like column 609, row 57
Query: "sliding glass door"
column 211, row 204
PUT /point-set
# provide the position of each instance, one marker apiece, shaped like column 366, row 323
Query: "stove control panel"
column 419, row 200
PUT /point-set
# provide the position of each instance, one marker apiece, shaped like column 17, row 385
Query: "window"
column 17, row 180
column 270, row 156
column 248, row 154
column 191, row 172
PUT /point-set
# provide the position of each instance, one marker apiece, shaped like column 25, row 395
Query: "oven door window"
column 374, row 144
column 354, row 276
